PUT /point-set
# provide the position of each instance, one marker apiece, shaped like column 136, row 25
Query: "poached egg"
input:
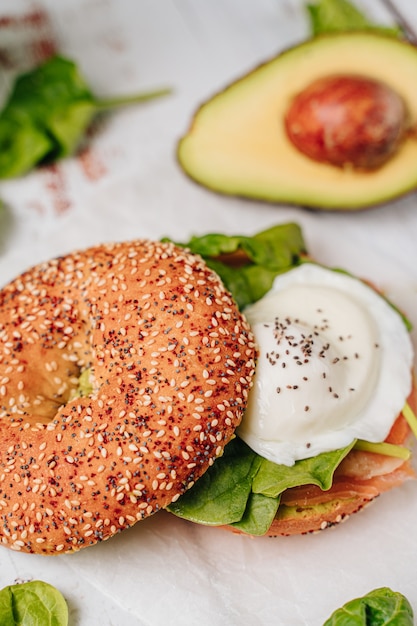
column 334, row 365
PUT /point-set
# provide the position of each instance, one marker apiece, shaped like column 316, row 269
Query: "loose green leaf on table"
column 34, row 603
column 47, row 113
column 380, row 607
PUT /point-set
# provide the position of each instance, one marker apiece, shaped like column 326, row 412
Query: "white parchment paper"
column 126, row 183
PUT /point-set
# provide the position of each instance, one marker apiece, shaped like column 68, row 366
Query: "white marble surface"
column 128, row 184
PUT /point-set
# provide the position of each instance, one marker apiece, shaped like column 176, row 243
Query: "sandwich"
column 332, row 408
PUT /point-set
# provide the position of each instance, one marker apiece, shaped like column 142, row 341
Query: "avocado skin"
column 236, row 144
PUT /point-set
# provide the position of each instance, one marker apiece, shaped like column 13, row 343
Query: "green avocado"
column 237, row 143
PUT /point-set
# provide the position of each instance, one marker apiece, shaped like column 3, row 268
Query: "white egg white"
column 334, row 365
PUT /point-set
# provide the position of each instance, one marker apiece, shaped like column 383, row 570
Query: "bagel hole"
column 45, row 405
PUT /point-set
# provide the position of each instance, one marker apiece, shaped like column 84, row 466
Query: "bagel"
column 168, row 359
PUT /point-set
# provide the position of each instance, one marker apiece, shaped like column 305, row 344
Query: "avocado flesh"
column 237, row 144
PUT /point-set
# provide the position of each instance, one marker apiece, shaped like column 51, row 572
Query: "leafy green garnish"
column 266, row 254
column 243, row 489
column 272, row 479
column 259, row 514
column 47, row 113
column 333, row 16
column 380, row 607
column 220, row 495
column 34, row 603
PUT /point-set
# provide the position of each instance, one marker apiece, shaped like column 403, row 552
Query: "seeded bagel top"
column 169, row 360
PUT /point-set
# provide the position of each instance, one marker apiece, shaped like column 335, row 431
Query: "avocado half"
column 237, row 143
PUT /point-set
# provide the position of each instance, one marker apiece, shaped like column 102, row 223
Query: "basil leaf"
column 332, row 16
column 259, row 514
column 47, row 113
column 220, row 496
column 34, row 603
column 381, row 607
column 335, row 16
column 272, row 479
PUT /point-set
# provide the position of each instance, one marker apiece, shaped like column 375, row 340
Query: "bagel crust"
column 170, row 361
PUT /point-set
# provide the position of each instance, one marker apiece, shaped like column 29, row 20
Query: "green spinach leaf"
column 333, row 16
column 259, row 514
column 274, row 248
column 47, row 113
column 272, row 479
column 243, row 489
column 266, row 254
column 34, row 603
column 221, row 494
column 381, row 607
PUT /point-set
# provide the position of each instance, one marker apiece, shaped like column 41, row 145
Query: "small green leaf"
column 272, row 479
column 259, row 514
column 47, row 113
column 274, row 248
column 56, row 101
column 6, row 606
column 34, row 603
column 67, row 125
column 381, row 607
column 333, row 16
column 247, row 284
column 278, row 247
column 268, row 253
column 221, row 494
column 214, row 244
column 22, row 145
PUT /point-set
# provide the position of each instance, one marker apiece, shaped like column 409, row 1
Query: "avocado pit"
column 347, row 121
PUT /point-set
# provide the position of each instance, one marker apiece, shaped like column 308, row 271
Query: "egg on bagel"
column 124, row 371
column 329, row 416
